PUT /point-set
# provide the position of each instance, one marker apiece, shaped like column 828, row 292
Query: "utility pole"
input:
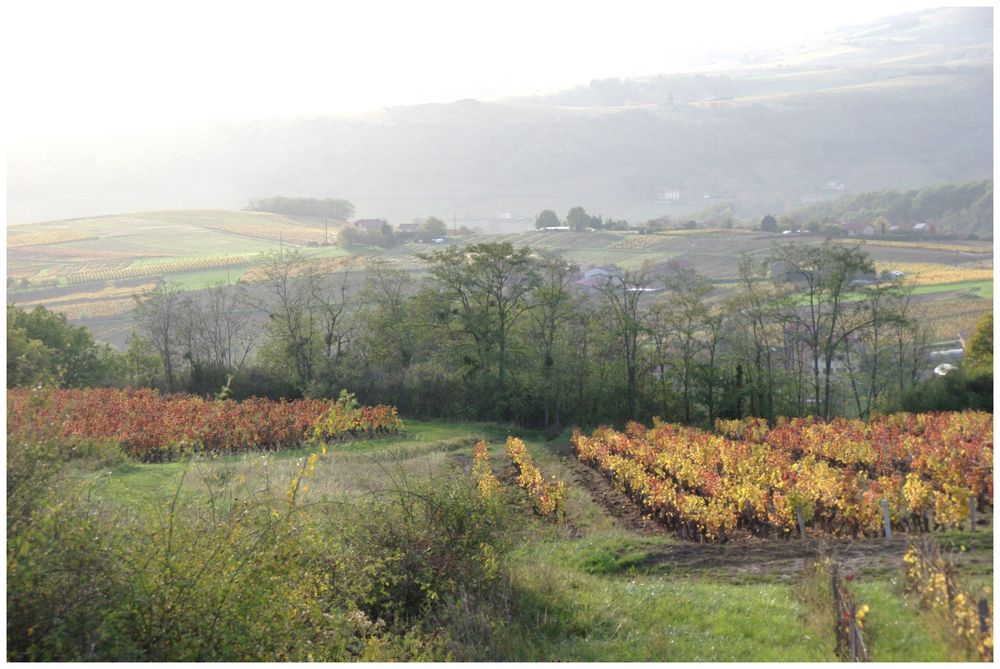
column 454, row 223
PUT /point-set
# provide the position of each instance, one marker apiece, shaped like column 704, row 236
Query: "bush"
column 432, row 541
column 238, row 573
column 956, row 391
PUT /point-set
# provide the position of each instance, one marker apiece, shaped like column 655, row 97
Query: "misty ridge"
column 901, row 104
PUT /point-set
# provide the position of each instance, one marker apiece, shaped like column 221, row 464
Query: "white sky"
column 93, row 66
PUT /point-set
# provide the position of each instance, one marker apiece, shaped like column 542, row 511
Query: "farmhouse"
column 369, row 224
column 668, row 194
column 919, row 229
column 598, row 273
column 858, row 229
column 409, row 227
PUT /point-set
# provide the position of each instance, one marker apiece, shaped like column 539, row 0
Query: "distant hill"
column 961, row 209
column 901, row 104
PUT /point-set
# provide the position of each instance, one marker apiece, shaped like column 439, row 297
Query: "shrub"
column 239, row 573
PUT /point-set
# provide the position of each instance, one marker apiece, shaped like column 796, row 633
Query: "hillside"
column 902, row 104
column 953, row 208
column 90, row 269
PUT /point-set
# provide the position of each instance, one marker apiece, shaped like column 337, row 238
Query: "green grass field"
column 973, row 288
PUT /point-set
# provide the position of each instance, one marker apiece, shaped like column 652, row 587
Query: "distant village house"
column 369, row 224
column 858, row 229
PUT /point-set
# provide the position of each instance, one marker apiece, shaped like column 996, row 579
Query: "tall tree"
column 434, row 227
column 554, row 303
column 547, row 219
column 623, row 294
column 488, row 285
column 883, row 308
column 688, row 321
column 826, row 319
column 578, row 219
column 759, row 310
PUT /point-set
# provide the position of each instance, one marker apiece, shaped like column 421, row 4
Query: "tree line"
column 304, row 206
column 963, row 208
column 578, row 220
column 498, row 332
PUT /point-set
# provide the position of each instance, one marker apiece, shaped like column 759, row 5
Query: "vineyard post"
column 984, row 616
column 837, row 606
column 885, row 519
column 972, row 513
column 802, row 523
column 854, row 632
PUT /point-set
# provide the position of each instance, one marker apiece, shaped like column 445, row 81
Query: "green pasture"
column 973, row 288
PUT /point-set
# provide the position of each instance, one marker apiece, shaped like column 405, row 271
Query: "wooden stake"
column 885, row 519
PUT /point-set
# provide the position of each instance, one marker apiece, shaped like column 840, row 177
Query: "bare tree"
column 158, row 315
column 217, row 327
column 822, row 276
column 883, row 307
column 554, row 304
column 292, row 326
column 758, row 312
column 688, row 321
column 334, row 311
column 623, row 294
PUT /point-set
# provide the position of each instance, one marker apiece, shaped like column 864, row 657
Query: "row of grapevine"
column 548, row 497
column 345, row 421
column 928, row 469
column 154, row 427
column 17, row 238
column 684, row 510
column 294, row 234
column 138, row 271
column 934, row 581
column 486, row 482
column 948, row 449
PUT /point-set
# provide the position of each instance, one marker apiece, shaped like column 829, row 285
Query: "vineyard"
column 289, row 234
column 153, row 427
column 139, row 271
column 946, row 318
column 103, row 293
column 845, row 477
column 17, row 238
column 637, row 242
column 652, row 239
column 316, row 266
column 924, row 245
column 547, row 497
column 924, row 274
column 94, row 300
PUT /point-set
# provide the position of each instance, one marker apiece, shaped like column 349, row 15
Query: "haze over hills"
column 900, row 104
